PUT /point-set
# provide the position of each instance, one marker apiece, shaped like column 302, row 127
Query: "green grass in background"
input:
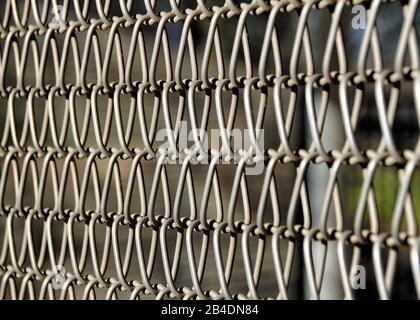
column 386, row 186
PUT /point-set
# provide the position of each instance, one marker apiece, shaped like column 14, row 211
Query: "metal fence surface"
column 95, row 204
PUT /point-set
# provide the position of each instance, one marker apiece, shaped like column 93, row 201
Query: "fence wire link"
column 63, row 150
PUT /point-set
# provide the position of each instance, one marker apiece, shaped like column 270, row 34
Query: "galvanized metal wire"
column 42, row 152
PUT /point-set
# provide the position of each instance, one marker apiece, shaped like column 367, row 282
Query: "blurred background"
column 350, row 178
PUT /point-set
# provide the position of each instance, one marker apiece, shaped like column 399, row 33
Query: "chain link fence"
column 209, row 149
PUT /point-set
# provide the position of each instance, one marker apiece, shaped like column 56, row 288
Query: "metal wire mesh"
column 84, row 191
